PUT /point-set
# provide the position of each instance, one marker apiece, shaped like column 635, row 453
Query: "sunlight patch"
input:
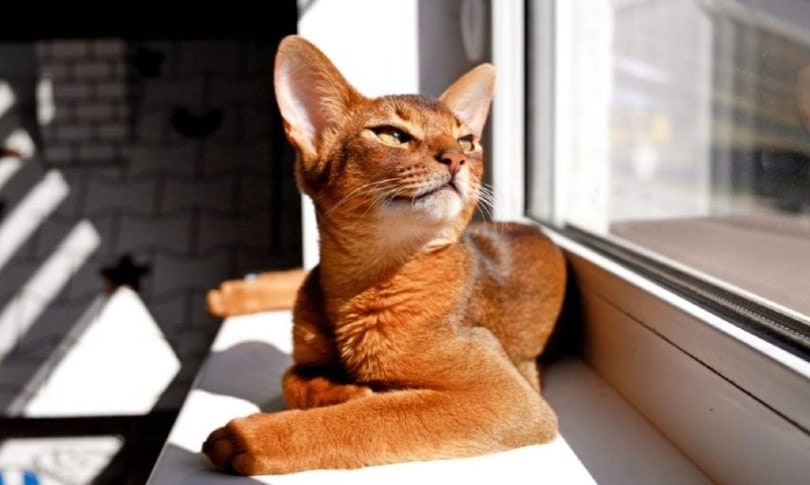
column 120, row 365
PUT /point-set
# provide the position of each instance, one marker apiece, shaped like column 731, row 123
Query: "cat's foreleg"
column 317, row 377
column 383, row 428
column 306, row 388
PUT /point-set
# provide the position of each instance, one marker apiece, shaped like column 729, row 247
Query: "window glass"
column 681, row 129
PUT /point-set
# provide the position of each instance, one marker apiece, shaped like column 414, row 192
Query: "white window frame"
column 507, row 116
column 735, row 404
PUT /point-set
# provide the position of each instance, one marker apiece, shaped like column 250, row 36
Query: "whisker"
column 379, row 194
column 486, row 202
column 384, row 195
column 388, row 195
column 370, row 187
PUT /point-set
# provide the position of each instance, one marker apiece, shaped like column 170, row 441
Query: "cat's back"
column 509, row 251
column 519, row 284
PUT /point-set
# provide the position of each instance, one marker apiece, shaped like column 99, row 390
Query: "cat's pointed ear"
column 312, row 94
column 470, row 96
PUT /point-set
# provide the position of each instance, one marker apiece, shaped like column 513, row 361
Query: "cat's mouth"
column 429, row 192
column 437, row 201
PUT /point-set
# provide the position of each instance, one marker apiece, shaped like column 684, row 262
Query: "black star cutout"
column 124, row 273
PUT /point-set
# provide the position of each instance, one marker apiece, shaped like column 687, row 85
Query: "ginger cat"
column 417, row 336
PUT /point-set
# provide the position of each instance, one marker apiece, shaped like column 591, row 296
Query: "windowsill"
column 735, row 404
column 603, row 438
column 763, row 254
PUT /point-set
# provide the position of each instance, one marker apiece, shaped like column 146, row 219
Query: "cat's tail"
column 274, row 290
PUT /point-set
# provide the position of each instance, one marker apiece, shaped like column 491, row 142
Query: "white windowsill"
column 603, row 438
column 735, row 404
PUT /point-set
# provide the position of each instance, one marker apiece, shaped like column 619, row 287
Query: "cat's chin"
column 442, row 205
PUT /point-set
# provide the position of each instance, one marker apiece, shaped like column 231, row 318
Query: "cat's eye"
column 391, row 135
column 466, row 143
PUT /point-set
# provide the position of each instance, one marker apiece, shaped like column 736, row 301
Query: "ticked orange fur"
column 417, row 335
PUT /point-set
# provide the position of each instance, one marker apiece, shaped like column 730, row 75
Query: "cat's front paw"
column 248, row 446
column 221, row 447
column 302, row 392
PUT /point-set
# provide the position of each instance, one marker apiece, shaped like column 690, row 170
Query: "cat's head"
column 401, row 158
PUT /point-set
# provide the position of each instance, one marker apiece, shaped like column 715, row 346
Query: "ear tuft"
column 470, row 96
column 312, row 94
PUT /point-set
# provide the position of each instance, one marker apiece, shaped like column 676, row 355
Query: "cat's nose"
column 453, row 159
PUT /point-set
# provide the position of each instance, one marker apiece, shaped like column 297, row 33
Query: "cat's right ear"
column 470, row 96
column 312, row 95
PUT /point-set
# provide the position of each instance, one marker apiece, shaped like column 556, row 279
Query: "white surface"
column 507, row 115
column 615, row 443
column 374, row 45
column 243, row 373
column 583, row 39
column 120, row 365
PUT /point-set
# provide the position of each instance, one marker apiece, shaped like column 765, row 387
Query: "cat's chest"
column 382, row 331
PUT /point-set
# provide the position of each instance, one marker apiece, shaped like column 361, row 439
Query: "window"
column 668, row 151
column 678, row 133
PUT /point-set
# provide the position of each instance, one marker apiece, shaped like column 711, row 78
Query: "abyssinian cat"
column 416, row 336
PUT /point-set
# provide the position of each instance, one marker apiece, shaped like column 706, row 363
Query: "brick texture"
column 200, row 198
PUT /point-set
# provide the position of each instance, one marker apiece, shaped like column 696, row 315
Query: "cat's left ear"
column 470, row 96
